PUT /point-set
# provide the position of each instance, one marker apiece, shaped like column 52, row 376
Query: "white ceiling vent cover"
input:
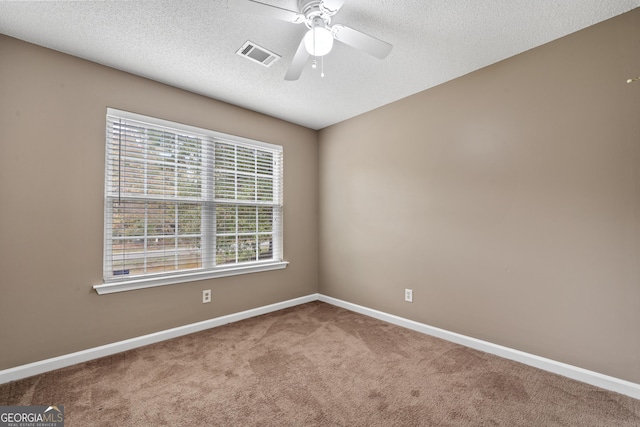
column 258, row 54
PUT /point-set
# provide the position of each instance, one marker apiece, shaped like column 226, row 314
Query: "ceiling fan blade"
column 362, row 41
column 268, row 10
column 298, row 62
column 332, row 5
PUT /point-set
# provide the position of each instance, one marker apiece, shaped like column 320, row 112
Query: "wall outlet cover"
column 206, row 296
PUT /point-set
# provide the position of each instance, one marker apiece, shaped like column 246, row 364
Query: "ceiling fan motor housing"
column 314, row 10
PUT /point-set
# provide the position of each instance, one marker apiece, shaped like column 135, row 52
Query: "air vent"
column 258, row 54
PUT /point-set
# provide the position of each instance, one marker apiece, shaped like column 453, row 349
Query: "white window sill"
column 150, row 282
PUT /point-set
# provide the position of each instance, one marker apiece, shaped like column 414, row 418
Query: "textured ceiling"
column 191, row 44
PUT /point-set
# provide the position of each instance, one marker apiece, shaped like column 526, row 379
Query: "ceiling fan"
column 318, row 40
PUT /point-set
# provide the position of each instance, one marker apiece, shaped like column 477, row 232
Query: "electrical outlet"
column 206, row 296
column 408, row 295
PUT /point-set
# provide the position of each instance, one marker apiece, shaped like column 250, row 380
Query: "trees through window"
column 182, row 199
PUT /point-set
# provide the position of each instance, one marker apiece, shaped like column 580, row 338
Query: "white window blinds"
column 182, row 199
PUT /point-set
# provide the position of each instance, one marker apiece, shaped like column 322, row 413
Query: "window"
column 183, row 203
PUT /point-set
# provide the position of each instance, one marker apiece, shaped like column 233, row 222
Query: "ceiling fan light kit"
column 318, row 40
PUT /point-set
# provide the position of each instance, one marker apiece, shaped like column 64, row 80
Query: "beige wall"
column 52, row 132
column 508, row 200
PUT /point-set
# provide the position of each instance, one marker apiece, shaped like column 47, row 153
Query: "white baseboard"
column 594, row 378
column 590, row 377
column 47, row 365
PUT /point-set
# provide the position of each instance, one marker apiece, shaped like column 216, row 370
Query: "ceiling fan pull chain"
column 322, row 66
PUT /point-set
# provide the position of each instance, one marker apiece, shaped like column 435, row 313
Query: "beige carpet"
column 316, row 365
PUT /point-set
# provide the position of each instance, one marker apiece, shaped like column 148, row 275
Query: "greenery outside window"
column 184, row 203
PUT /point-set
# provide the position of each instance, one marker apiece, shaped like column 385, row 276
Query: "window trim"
column 191, row 276
column 184, row 276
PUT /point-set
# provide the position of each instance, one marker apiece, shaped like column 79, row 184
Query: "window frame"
column 207, row 271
